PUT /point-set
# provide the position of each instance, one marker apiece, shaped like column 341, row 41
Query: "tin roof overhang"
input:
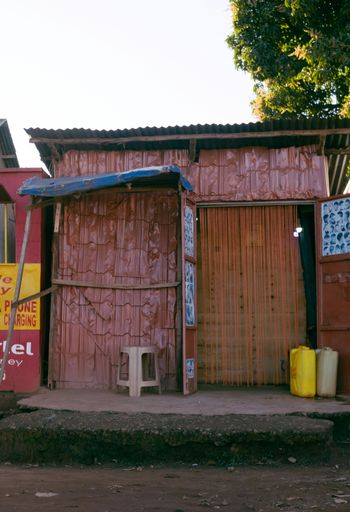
column 8, row 157
column 332, row 136
column 68, row 185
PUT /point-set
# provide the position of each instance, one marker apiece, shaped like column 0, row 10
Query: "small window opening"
column 7, row 228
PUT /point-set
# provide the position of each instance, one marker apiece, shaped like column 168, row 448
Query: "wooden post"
column 14, row 304
column 179, row 299
column 54, row 266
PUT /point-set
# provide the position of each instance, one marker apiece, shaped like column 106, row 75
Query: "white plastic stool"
column 135, row 380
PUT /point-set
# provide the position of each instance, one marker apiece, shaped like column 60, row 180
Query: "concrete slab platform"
column 206, row 402
column 216, row 425
column 71, row 437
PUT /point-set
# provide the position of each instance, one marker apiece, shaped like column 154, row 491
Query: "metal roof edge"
column 259, row 129
column 7, row 148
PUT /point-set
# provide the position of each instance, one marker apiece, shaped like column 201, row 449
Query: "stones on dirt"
column 339, row 501
column 46, row 494
column 115, row 488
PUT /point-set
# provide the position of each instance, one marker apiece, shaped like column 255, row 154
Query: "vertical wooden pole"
column 14, row 304
column 179, row 307
column 54, row 266
column 5, row 233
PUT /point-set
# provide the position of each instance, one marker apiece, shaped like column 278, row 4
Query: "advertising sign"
column 22, row 372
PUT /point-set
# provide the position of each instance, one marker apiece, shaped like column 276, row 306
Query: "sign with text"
column 28, row 314
column 22, row 372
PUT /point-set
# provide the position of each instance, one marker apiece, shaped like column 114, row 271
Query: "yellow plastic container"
column 303, row 372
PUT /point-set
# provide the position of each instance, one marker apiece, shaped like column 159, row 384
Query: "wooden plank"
column 191, row 136
column 36, row 295
column 54, row 265
column 115, row 286
column 57, row 217
column 178, row 348
column 337, row 151
column 334, row 328
column 320, row 149
column 42, row 204
column 116, row 188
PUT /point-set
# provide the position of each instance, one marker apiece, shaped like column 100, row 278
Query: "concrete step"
column 68, row 437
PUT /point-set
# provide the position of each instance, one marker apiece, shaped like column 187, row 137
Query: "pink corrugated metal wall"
column 131, row 238
column 220, row 175
column 123, row 238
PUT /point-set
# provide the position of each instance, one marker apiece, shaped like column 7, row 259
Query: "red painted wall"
column 23, row 367
column 11, row 180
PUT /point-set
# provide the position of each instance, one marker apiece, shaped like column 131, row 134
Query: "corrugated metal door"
column 189, row 299
column 251, row 299
column 333, row 215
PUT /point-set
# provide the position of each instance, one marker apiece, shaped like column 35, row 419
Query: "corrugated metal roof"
column 8, row 157
column 64, row 186
column 331, row 134
column 338, row 163
column 266, row 126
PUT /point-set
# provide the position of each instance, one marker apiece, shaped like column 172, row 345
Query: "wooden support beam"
column 114, row 286
column 8, row 157
column 191, row 136
column 54, row 152
column 320, row 149
column 179, row 299
column 58, row 209
column 42, row 203
column 35, row 296
column 54, row 265
column 192, row 151
column 338, row 151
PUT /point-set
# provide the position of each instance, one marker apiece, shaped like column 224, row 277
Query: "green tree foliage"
column 298, row 54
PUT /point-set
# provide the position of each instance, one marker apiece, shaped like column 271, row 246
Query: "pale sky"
column 111, row 64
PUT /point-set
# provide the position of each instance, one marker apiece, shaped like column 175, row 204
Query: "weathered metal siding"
column 80, row 163
column 132, row 238
column 258, row 174
column 244, row 174
column 120, row 238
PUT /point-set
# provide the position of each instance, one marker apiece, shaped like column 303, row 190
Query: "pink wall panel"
column 244, row 174
column 115, row 237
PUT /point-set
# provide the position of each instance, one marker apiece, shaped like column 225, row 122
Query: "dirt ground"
column 175, row 489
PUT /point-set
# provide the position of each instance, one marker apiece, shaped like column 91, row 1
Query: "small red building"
column 23, row 369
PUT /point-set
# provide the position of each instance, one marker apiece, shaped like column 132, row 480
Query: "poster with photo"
column 188, row 231
column 335, row 227
column 190, row 297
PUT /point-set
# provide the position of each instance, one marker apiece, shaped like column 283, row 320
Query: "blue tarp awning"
column 65, row 186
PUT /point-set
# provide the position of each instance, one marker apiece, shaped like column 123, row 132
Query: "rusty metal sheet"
column 133, row 239
column 115, row 238
column 245, row 174
column 250, row 174
column 81, row 163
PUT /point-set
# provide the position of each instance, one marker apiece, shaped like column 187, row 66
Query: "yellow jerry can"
column 303, row 372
